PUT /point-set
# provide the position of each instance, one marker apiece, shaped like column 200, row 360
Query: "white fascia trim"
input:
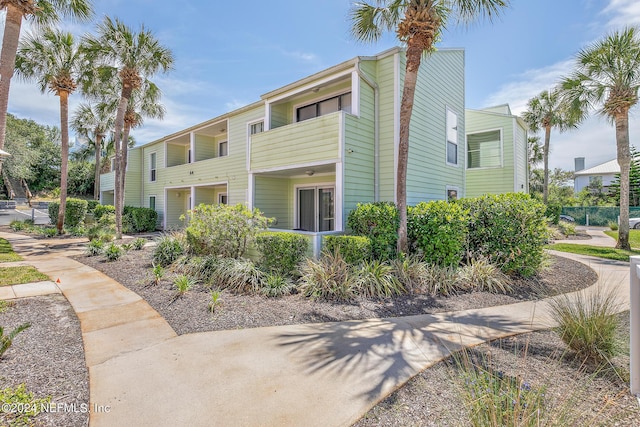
column 515, row 156
column 396, row 122
column 355, row 93
column 192, row 146
column 339, row 202
column 250, row 191
column 296, row 166
column 164, row 210
column 307, row 87
column 188, row 186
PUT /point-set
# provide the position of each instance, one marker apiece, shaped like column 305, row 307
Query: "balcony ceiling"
column 310, row 171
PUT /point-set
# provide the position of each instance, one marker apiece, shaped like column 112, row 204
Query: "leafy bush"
column 353, row 249
column 281, row 252
column 169, row 248
column 481, row 275
column 47, row 231
column 223, row 230
column 553, row 212
column 274, row 285
column 76, row 211
column 568, row 228
column 95, row 247
column 101, row 210
column 587, row 323
column 113, row 252
column 91, row 205
column 99, row 232
column 379, row 222
column 237, row 275
column 7, row 340
column 438, row 229
column 376, row 279
column 19, row 225
column 613, row 225
column 509, row 230
column 19, row 397
column 139, row 220
column 138, row 243
column 329, row 277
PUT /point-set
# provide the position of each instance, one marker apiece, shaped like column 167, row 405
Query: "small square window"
column 256, row 128
column 222, row 198
column 152, row 167
column 223, row 149
column 152, row 202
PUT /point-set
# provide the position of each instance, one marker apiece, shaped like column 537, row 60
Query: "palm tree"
column 546, row 111
column 133, row 57
column 606, row 78
column 41, row 12
column 93, row 121
column 418, row 24
column 52, row 60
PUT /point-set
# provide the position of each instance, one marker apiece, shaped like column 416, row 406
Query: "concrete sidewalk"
column 598, row 238
column 326, row 374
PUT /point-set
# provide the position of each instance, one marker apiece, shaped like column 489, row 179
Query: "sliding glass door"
column 316, row 208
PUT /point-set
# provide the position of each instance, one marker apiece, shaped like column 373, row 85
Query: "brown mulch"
column 189, row 313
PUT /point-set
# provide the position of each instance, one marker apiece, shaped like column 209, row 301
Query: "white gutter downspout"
column 376, row 131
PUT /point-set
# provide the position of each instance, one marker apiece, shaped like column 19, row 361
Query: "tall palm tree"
column 418, row 24
column 546, row 111
column 133, row 57
column 93, row 121
column 41, row 12
column 606, row 78
column 51, row 59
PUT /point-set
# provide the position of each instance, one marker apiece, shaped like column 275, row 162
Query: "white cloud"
column 623, row 12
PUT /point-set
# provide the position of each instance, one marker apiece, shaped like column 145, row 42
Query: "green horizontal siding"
column 107, row 181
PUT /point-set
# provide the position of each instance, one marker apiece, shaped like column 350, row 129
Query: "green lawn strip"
column 597, row 251
column 18, row 275
column 6, row 252
column 634, row 237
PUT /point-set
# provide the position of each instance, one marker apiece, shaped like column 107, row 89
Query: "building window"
column 452, row 138
column 152, row 202
column 223, row 149
column 152, row 167
column 256, row 128
column 222, row 198
column 327, row 106
column 452, row 194
column 316, row 208
column 484, row 150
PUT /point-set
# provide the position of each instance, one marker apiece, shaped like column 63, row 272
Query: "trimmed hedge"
column 438, row 229
column 75, row 212
column 281, row 252
column 101, row 210
column 379, row 222
column 507, row 229
column 91, row 205
column 138, row 220
column 354, row 249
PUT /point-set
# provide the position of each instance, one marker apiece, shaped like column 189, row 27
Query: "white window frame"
column 447, row 141
column 220, row 145
column 320, row 99
column 220, row 196
column 155, row 200
column 250, row 127
column 153, row 172
column 315, row 186
column 501, row 149
column 452, row 188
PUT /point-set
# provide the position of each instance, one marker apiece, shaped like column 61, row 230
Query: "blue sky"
column 229, row 53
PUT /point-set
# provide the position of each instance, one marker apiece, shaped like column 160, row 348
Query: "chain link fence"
column 597, row 215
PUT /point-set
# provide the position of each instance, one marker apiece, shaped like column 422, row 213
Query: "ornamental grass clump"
column 587, row 323
column 329, row 277
column 183, row 284
column 237, row 275
column 169, row 248
column 113, row 252
column 376, row 279
column 412, row 272
column 94, row 248
column 275, row 285
column 482, row 275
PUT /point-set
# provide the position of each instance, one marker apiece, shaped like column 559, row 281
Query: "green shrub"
column 587, row 323
column 113, row 252
column 281, row 252
column 223, row 230
column 613, row 225
column 274, row 285
column 138, row 243
column 353, row 249
column 46, row 231
column 169, row 247
column 29, row 405
column 481, row 275
column 95, row 247
column 138, row 220
column 19, row 225
column 101, row 210
column 376, row 279
column 99, row 232
column 553, row 212
column 438, row 230
column 379, row 222
column 183, row 283
column 569, row 228
column 329, row 277
column 75, row 212
column 91, row 205
column 509, row 230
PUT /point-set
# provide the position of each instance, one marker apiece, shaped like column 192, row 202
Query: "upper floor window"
column 256, row 128
column 452, row 137
column 223, row 149
column 152, row 167
column 484, row 150
column 327, row 106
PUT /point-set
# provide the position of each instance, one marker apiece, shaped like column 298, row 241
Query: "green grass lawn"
column 18, row 275
column 634, row 237
column 6, row 252
column 597, row 251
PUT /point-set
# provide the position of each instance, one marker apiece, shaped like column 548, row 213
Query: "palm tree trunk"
column 11, row 35
column 414, row 56
column 122, row 108
column 545, row 155
column 64, row 145
column 624, row 160
column 123, row 160
column 96, row 181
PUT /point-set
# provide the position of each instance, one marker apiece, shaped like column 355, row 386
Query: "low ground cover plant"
column 6, row 252
column 20, row 397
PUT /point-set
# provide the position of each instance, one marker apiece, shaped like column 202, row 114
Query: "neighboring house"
column 604, row 173
column 496, row 152
column 308, row 152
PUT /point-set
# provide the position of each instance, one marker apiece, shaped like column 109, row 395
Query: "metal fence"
column 597, row 215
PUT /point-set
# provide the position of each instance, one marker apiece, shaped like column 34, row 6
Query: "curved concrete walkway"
column 598, row 238
column 326, row 374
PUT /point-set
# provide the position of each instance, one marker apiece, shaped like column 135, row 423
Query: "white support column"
column 634, row 346
column 192, row 146
column 193, row 198
column 250, row 192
